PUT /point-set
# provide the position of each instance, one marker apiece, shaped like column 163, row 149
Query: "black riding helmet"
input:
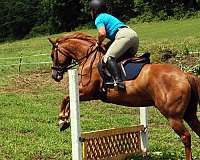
column 98, row 5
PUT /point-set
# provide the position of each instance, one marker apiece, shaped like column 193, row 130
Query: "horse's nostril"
column 57, row 79
column 56, row 76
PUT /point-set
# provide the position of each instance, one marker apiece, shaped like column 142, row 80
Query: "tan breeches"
column 125, row 39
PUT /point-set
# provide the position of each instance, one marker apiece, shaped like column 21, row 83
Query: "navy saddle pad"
column 130, row 68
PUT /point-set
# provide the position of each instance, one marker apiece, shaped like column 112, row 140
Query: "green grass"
column 29, row 99
column 170, row 30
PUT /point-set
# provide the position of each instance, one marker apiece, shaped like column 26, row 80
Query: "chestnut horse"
column 174, row 93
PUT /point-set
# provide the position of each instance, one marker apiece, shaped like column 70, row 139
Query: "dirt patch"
column 41, row 157
column 188, row 60
column 37, row 157
column 34, row 82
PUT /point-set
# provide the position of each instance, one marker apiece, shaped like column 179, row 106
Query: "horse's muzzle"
column 57, row 76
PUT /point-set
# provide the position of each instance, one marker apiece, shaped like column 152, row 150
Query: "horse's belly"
column 130, row 100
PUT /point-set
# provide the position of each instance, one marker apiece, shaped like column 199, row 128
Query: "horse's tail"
column 195, row 85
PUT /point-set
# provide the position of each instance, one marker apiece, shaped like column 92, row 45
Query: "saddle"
column 129, row 68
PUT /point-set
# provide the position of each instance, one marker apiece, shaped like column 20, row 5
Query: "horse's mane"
column 77, row 35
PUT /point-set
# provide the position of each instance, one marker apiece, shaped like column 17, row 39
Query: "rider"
column 123, row 38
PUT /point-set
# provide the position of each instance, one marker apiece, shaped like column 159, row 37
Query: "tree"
column 191, row 3
column 21, row 17
column 18, row 17
column 62, row 14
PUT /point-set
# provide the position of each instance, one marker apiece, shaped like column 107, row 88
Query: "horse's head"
column 60, row 59
column 77, row 47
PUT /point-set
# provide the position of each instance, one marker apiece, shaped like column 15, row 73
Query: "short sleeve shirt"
column 110, row 23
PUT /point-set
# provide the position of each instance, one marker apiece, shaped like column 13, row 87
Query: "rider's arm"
column 101, row 35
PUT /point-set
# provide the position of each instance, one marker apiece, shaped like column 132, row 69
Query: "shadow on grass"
column 156, row 156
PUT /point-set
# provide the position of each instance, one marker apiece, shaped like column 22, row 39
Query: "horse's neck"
column 78, row 49
column 83, row 51
column 89, row 69
column 92, row 59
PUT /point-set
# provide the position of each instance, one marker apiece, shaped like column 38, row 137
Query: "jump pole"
column 75, row 115
column 144, row 134
column 75, row 118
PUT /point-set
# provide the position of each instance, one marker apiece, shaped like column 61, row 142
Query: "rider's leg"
column 111, row 65
column 125, row 39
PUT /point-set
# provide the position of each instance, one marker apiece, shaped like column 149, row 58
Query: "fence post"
column 20, row 62
column 144, row 134
column 75, row 115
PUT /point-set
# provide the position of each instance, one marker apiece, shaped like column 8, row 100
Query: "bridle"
column 61, row 69
column 63, row 51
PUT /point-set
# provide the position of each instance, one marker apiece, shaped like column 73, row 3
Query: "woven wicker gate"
column 115, row 144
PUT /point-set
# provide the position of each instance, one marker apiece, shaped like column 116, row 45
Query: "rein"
column 74, row 62
column 94, row 57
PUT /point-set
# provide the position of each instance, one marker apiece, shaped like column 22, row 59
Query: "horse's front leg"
column 64, row 114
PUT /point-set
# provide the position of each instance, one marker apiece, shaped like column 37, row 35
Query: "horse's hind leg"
column 191, row 118
column 179, row 128
column 64, row 114
column 194, row 123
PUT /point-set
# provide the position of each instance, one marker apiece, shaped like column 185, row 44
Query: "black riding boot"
column 112, row 67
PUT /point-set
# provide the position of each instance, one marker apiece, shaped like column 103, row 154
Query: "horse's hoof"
column 64, row 125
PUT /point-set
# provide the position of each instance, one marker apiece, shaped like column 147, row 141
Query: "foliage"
column 17, row 17
column 164, row 9
column 21, row 17
column 39, row 30
column 62, row 14
column 123, row 9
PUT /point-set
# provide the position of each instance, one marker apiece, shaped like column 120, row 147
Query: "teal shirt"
column 110, row 23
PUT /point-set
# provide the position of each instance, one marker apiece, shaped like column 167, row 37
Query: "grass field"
column 29, row 99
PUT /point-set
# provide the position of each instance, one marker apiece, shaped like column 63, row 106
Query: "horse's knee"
column 64, row 103
column 64, row 114
column 62, row 117
column 178, row 126
column 65, row 99
column 186, row 139
column 63, row 108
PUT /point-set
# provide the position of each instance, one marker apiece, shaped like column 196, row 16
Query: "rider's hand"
column 96, row 46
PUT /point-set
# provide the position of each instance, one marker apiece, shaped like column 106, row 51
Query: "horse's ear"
column 53, row 42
